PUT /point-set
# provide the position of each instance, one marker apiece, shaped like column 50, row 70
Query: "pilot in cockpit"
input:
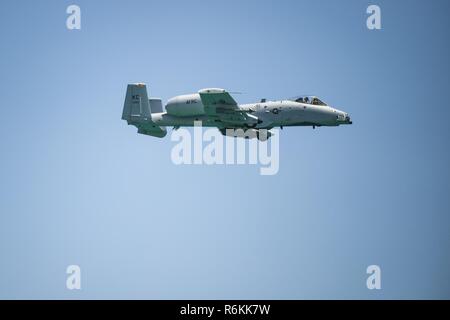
column 310, row 100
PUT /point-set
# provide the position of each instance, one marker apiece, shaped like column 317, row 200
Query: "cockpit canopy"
column 308, row 100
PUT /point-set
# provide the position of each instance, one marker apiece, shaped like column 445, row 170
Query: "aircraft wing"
column 218, row 103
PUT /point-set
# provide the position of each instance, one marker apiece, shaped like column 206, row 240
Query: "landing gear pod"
column 260, row 134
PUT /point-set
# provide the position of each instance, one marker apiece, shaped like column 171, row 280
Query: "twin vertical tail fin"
column 138, row 109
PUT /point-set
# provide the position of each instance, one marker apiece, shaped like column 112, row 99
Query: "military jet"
column 215, row 107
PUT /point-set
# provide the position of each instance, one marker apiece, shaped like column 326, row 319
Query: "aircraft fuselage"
column 271, row 113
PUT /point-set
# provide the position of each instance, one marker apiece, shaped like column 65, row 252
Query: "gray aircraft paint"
column 215, row 107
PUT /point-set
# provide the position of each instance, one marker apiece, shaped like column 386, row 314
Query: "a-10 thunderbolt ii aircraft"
column 215, row 107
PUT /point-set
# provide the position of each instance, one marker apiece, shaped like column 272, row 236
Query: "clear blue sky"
column 79, row 186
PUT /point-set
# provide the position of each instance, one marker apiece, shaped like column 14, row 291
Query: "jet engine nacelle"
column 185, row 105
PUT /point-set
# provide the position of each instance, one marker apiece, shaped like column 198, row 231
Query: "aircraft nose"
column 342, row 117
column 347, row 118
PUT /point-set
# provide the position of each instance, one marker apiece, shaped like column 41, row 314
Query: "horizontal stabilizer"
column 153, row 131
